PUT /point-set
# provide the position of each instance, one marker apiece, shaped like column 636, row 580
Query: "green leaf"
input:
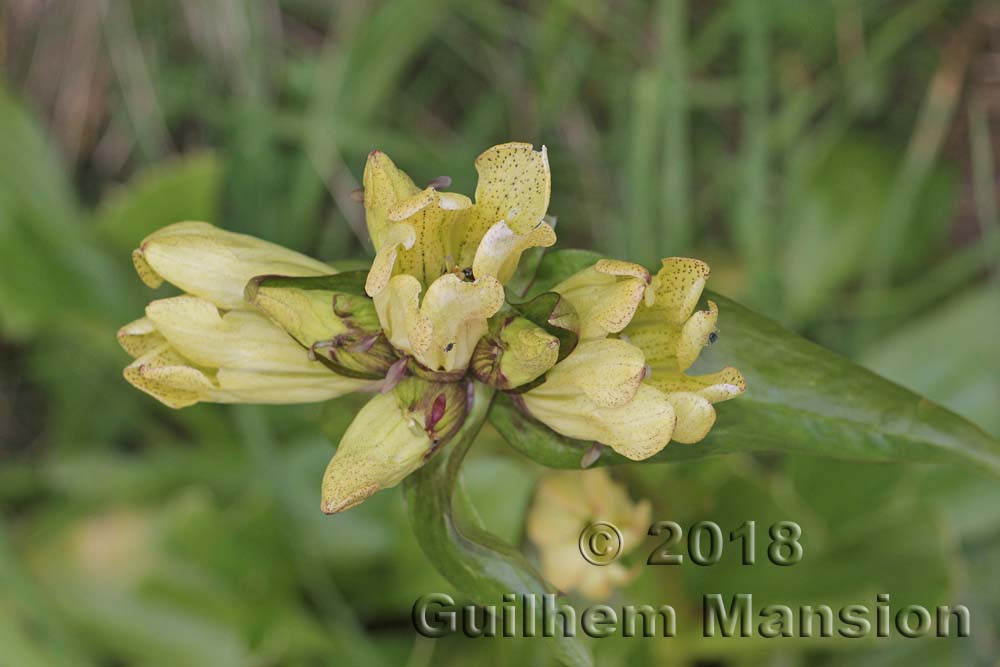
column 53, row 269
column 964, row 371
column 187, row 188
column 476, row 562
column 800, row 398
column 839, row 201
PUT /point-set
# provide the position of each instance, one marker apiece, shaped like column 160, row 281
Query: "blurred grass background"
column 834, row 161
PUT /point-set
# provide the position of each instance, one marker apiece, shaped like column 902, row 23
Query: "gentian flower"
column 625, row 384
column 602, row 357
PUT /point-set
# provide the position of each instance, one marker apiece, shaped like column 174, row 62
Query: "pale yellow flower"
column 393, row 435
column 186, row 350
column 455, row 252
column 605, row 296
column 209, row 262
column 671, row 334
column 209, row 345
column 597, row 393
column 630, row 392
column 565, row 503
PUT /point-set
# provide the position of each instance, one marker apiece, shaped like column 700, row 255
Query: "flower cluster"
column 601, row 357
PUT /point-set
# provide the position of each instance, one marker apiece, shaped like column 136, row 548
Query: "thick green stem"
column 476, row 562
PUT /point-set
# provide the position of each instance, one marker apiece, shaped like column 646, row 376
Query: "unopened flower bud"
column 393, row 435
column 215, row 264
column 519, row 352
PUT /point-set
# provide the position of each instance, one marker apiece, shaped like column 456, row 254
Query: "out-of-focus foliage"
column 834, row 161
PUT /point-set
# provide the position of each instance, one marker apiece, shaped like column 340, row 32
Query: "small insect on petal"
column 358, row 196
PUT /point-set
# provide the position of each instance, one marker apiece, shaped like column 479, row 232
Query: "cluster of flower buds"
column 602, row 357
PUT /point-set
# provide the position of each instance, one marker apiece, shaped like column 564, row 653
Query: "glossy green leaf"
column 964, row 372
column 800, row 398
column 476, row 562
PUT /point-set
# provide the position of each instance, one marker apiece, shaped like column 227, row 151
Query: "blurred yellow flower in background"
column 565, row 503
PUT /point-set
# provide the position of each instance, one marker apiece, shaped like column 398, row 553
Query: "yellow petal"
column 215, row 264
column 671, row 348
column 606, row 498
column 236, row 339
column 379, row 449
column 398, row 308
column 716, row 387
column 695, row 416
column 642, row 427
column 139, row 337
column 559, row 510
column 399, row 237
column 413, row 205
column 678, row 286
column 514, row 186
column 564, row 567
column 166, row 376
column 561, row 494
column 147, row 275
column 528, row 351
column 457, row 311
column 564, row 503
column 177, row 382
column 695, row 334
column 605, row 295
column 609, row 371
column 238, row 356
column 500, row 250
column 598, row 583
column 385, row 186
column 637, row 429
column 236, row 385
column 434, row 217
